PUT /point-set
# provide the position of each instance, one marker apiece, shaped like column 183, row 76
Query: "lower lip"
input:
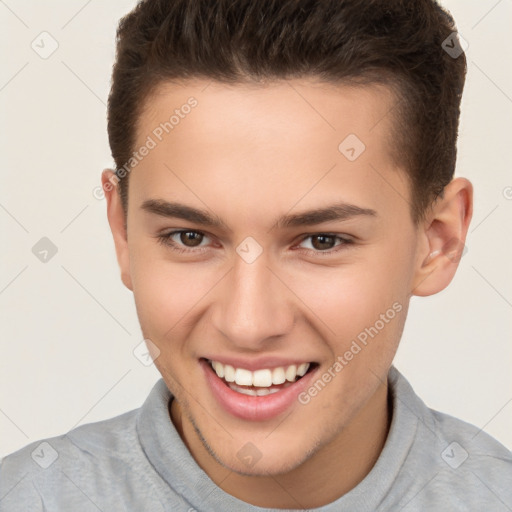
column 254, row 408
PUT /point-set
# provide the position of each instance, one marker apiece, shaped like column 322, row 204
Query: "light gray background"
column 69, row 327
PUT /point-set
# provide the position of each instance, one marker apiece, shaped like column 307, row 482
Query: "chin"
column 274, row 465
column 264, row 458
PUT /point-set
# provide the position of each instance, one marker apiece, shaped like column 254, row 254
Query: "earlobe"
column 443, row 238
column 117, row 222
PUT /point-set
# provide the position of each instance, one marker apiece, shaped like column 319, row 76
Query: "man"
column 283, row 185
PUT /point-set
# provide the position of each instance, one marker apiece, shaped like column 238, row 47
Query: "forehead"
column 297, row 106
column 286, row 140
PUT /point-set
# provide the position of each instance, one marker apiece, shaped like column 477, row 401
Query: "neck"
column 331, row 472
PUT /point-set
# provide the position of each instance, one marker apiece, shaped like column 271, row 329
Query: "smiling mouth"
column 260, row 382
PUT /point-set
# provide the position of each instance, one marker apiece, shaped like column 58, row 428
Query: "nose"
column 252, row 307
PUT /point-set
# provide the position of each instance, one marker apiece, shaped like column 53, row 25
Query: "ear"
column 442, row 237
column 117, row 221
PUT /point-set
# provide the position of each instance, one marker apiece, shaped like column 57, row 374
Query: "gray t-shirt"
column 138, row 462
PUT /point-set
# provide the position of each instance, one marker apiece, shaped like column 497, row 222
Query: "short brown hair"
column 394, row 42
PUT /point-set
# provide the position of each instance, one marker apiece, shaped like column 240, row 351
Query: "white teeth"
column 264, row 378
column 244, row 391
column 302, row 369
column 243, row 377
column 254, row 392
column 278, row 376
column 291, row 373
column 219, row 368
column 229, row 373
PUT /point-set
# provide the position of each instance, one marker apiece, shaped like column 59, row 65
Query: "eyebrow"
column 338, row 211
column 182, row 211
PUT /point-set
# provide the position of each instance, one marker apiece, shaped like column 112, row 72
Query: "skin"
column 250, row 154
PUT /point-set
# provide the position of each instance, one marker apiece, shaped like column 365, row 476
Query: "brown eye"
column 191, row 238
column 185, row 241
column 323, row 242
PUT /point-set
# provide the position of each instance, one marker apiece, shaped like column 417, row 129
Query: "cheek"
column 166, row 294
column 351, row 298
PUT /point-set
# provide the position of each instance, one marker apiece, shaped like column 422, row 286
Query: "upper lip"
column 257, row 363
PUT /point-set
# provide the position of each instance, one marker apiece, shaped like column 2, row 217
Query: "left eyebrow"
column 338, row 211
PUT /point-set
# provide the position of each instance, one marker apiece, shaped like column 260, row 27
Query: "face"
column 266, row 248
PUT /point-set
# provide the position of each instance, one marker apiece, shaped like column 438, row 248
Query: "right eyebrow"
column 181, row 211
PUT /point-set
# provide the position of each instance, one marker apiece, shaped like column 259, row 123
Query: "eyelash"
column 165, row 239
